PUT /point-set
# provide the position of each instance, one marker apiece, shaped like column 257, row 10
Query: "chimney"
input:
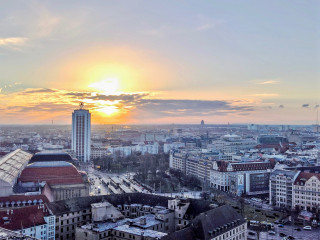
column 143, row 221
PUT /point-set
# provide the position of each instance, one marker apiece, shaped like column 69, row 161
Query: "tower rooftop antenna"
column 81, row 105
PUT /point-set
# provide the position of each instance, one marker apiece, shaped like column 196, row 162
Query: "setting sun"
column 108, row 86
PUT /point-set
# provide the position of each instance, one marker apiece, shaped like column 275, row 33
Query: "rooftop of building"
column 105, row 226
column 284, row 172
column 49, row 164
column 196, row 207
column 51, row 174
column 82, row 203
column 26, row 217
column 150, row 221
column 11, row 235
column 21, row 198
column 303, row 177
column 217, row 221
column 12, row 164
column 140, row 232
column 49, row 156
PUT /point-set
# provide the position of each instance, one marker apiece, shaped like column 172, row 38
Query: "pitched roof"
column 12, row 164
column 23, row 217
column 305, row 176
column 223, row 218
column 204, row 225
column 185, row 234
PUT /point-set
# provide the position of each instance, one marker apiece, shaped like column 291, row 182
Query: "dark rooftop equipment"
column 49, row 156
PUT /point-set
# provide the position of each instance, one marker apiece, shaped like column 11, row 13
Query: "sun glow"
column 109, row 110
column 108, row 86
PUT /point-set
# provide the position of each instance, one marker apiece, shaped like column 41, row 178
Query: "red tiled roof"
column 52, row 175
column 21, row 198
column 305, row 176
column 23, row 217
column 222, row 166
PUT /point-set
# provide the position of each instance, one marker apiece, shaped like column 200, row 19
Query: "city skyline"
column 160, row 62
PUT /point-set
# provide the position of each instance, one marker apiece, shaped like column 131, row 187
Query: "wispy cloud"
column 13, row 42
column 265, row 95
column 268, row 82
column 209, row 25
column 48, row 103
column 281, row 106
column 306, row 105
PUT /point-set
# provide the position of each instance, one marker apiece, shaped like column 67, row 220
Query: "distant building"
column 232, row 143
column 202, row 124
column 81, row 134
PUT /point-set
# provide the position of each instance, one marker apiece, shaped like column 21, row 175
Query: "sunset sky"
column 152, row 62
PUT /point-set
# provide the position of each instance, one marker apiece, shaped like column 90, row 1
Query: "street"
column 289, row 230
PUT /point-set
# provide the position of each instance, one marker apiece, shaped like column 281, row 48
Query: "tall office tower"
column 81, row 133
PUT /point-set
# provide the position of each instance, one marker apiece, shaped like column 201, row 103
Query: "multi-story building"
column 281, row 187
column 250, row 178
column 99, row 152
column 306, row 192
column 219, row 176
column 241, row 178
column 81, row 134
column 216, row 224
column 172, row 146
column 199, row 167
column 233, row 143
column 34, row 221
column 136, row 215
column 177, row 160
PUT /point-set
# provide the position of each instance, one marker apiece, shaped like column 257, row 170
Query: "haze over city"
column 160, row 62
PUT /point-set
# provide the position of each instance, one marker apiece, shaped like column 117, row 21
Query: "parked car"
column 291, row 237
column 280, row 225
column 272, row 233
column 307, row 228
column 298, row 229
column 282, row 234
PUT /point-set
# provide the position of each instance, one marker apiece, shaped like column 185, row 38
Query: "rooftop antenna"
column 81, row 105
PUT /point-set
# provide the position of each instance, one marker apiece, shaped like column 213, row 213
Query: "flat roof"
column 139, row 231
